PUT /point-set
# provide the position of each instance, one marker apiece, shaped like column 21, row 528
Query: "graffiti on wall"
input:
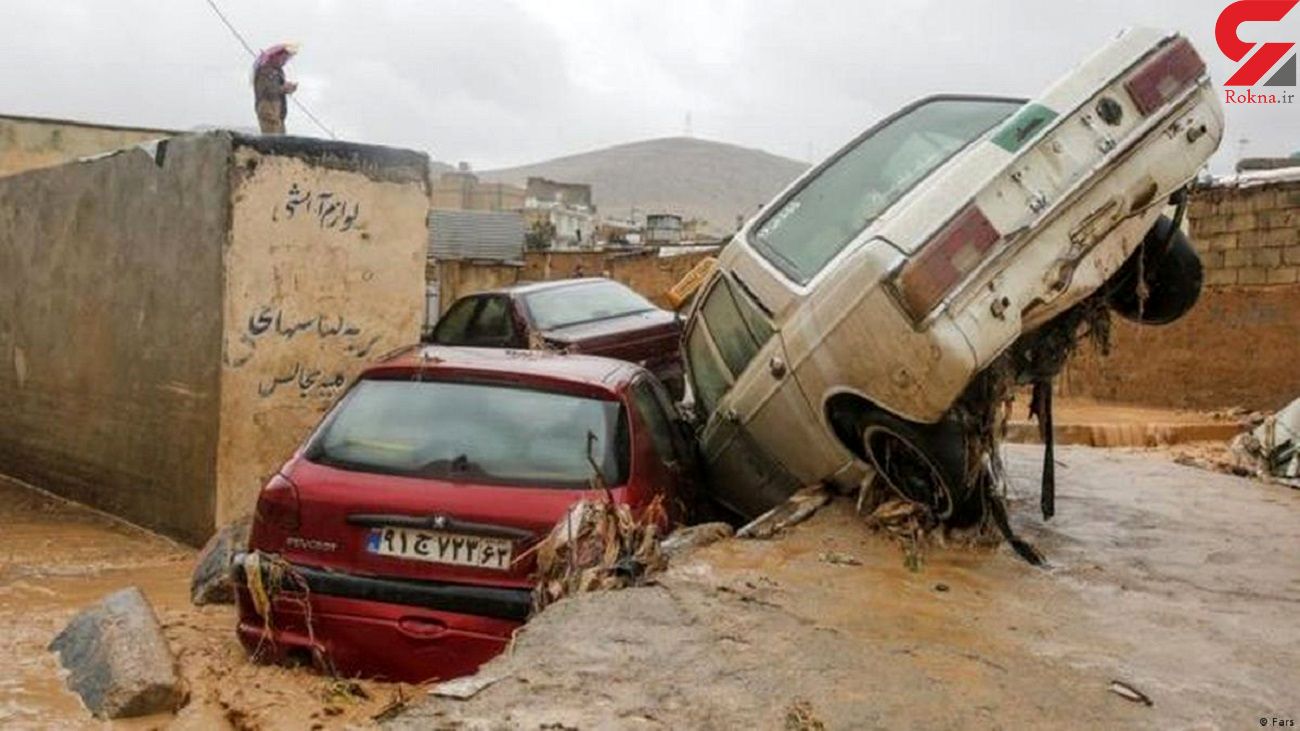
column 330, row 211
column 268, row 322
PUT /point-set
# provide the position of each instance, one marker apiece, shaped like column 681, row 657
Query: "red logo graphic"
column 1225, row 33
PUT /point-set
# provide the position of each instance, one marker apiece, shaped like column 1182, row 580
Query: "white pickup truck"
column 845, row 320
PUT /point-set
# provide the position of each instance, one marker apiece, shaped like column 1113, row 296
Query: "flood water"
column 56, row 558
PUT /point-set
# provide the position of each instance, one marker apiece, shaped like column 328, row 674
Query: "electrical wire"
column 240, row 37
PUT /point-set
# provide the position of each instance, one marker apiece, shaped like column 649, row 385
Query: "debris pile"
column 796, row 509
column 691, row 537
column 598, row 545
column 1272, row 450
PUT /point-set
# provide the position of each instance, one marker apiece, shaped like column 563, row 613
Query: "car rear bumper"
column 394, row 630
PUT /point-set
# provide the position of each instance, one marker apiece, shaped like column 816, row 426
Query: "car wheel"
column 923, row 463
column 1173, row 276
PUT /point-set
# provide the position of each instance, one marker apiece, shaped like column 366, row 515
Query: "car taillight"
column 1164, row 76
column 946, row 259
column 278, row 504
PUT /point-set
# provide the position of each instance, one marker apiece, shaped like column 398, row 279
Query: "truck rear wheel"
column 922, row 463
column 1171, row 270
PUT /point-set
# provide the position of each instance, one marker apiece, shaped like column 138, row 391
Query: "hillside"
column 695, row 178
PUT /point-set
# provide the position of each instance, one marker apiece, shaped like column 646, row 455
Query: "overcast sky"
column 505, row 83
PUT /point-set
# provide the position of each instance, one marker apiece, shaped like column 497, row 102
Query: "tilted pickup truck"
column 845, row 320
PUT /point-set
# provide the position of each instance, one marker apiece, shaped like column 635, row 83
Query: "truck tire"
column 1173, row 275
column 922, row 463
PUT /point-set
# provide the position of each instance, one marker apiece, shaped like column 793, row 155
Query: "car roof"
column 528, row 287
column 524, row 367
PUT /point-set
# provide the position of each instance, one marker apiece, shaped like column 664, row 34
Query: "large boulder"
column 210, row 583
column 118, row 660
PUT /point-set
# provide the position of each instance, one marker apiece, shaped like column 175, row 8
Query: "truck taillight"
column 277, row 504
column 1163, row 77
column 944, row 261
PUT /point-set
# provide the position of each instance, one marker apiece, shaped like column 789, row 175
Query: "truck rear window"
column 819, row 219
column 474, row 432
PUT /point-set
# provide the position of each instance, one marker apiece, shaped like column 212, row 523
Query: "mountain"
column 694, row 178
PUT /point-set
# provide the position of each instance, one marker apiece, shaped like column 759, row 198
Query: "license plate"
column 440, row 547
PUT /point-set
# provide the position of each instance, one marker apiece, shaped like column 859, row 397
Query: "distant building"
column 476, row 235
column 575, row 228
column 461, row 190
column 544, row 191
column 663, row 229
column 567, row 207
column 27, row 143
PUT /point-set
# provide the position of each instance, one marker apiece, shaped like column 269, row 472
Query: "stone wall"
column 28, row 143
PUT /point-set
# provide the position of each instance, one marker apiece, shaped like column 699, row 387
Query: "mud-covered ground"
column 56, row 558
column 1182, row 583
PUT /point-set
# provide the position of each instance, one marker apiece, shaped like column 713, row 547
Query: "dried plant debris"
column 800, row 717
column 598, row 545
column 906, row 522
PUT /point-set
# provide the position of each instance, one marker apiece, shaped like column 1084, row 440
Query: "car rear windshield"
column 588, row 302
column 474, row 432
column 832, row 208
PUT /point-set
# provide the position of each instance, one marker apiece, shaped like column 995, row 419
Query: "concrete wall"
column 28, row 143
column 1240, row 346
column 110, row 321
column 324, row 272
column 172, row 326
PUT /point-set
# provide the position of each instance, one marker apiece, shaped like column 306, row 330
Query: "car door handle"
column 776, row 367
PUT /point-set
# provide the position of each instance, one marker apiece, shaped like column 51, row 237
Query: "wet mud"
column 1178, row 582
column 57, row 557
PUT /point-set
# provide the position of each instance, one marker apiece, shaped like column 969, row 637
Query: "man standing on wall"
column 270, row 90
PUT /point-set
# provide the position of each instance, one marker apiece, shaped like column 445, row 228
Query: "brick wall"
column 1240, row 345
column 1248, row 235
column 644, row 271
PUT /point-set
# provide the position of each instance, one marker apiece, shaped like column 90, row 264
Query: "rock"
column 695, row 536
column 117, row 658
column 210, row 583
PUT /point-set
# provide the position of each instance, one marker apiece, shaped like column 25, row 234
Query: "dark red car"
column 592, row 315
column 407, row 513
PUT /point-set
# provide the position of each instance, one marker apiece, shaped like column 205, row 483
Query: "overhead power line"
column 251, row 52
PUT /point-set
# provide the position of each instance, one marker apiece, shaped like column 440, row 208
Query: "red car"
column 594, row 316
column 407, row 512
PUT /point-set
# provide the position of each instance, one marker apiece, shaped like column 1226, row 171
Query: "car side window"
column 738, row 330
column 707, row 377
column 655, row 418
column 453, row 329
column 492, row 324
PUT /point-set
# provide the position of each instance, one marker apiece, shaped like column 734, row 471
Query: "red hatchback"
column 410, row 512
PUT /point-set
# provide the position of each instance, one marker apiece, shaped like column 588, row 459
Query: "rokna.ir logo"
column 1257, row 59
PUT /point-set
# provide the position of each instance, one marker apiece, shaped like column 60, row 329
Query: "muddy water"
column 56, row 558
